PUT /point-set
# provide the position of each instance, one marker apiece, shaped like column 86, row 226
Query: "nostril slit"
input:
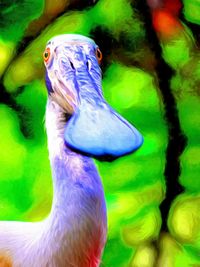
column 87, row 64
column 72, row 65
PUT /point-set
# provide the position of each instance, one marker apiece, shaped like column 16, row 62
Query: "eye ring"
column 46, row 54
column 99, row 55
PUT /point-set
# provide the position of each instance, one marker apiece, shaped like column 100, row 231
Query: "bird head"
column 73, row 80
column 72, row 61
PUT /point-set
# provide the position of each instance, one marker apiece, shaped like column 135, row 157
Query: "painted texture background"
column 151, row 75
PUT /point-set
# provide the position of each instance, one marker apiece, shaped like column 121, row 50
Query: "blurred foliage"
column 134, row 185
column 16, row 15
column 192, row 11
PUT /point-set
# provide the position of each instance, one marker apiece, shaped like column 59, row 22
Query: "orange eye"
column 46, row 54
column 99, row 55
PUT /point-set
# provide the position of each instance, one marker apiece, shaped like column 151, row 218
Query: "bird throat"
column 78, row 210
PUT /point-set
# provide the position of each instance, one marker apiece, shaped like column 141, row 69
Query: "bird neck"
column 78, row 209
column 68, row 167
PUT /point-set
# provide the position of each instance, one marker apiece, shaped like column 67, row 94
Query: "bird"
column 80, row 125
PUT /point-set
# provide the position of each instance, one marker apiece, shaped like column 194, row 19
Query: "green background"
column 134, row 185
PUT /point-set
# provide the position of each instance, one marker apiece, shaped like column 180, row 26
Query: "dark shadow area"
column 81, row 5
column 176, row 138
column 22, row 113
